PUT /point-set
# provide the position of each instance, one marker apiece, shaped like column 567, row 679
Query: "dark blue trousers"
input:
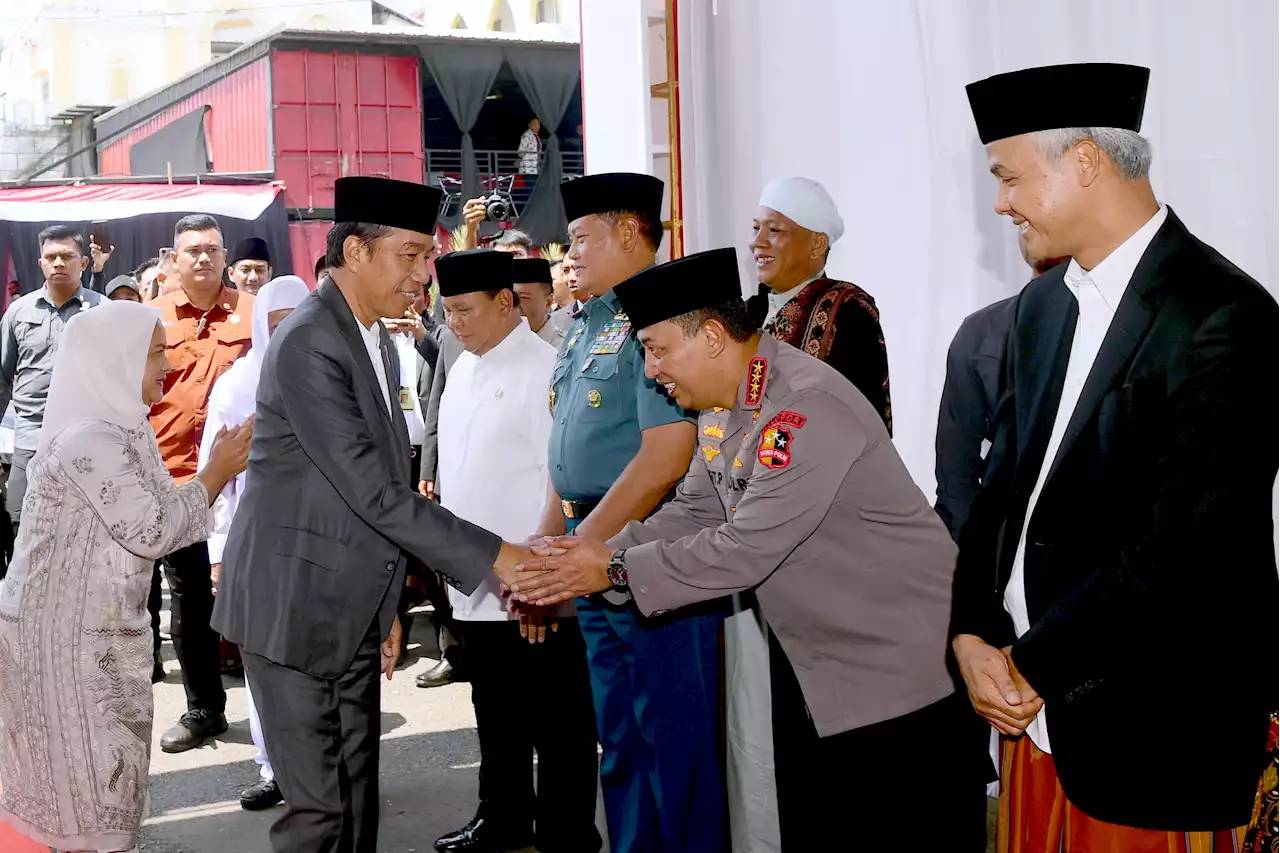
column 655, row 684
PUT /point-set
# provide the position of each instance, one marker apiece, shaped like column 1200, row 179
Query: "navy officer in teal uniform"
column 618, row 448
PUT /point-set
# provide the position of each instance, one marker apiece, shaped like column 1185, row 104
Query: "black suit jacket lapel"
column 1128, row 328
column 337, row 303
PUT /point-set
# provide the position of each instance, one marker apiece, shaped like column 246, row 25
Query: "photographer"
column 474, row 212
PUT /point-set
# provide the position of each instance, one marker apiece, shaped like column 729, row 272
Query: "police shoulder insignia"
column 710, row 451
column 775, row 447
column 788, row 418
column 713, row 430
column 756, row 373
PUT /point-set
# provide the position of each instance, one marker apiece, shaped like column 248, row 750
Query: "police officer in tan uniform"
column 797, row 493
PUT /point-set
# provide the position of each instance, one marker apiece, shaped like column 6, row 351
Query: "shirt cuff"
column 648, row 588
column 217, row 542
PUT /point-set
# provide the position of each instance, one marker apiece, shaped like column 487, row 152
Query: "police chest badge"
column 775, row 447
column 609, row 340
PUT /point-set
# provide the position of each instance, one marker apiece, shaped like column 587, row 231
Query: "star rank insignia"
column 710, row 451
column 713, row 431
column 756, row 373
column 775, row 447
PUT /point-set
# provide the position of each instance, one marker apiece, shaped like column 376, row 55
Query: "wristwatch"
column 617, row 570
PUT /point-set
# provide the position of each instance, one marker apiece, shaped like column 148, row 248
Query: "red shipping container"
column 236, row 127
column 342, row 114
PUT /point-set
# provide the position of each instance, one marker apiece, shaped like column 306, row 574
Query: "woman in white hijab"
column 233, row 400
column 75, row 634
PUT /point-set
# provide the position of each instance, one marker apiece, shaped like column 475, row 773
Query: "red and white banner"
column 91, row 202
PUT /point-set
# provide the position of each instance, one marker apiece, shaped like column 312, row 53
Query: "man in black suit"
column 970, row 395
column 1116, row 585
column 315, row 563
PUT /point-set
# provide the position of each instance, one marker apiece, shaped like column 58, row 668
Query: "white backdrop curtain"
column 868, row 97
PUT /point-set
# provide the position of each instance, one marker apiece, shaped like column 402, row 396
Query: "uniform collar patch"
column 757, row 373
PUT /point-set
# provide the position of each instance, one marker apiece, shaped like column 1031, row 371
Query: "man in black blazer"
column 315, row 563
column 1116, row 588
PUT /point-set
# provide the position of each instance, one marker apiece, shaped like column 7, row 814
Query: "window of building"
column 502, row 21
column 546, row 12
column 118, row 80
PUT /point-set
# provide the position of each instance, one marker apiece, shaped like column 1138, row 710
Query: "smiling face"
column 480, row 320
column 250, row 276
column 600, row 252
column 1039, row 195
column 681, row 363
column 157, row 369
column 391, row 272
column 62, row 263
column 784, row 253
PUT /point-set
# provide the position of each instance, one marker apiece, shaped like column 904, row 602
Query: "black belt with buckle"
column 577, row 510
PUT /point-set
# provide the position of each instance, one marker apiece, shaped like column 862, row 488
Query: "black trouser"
column 535, row 697
column 920, row 775
column 194, row 642
column 17, row 488
column 322, row 738
column 155, row 600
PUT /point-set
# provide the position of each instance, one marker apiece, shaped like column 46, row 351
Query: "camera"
column 498, row 208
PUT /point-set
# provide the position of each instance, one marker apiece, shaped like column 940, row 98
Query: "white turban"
column 806, row 203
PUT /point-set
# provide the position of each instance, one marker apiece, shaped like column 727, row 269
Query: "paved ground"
column 429, row 763
column 430, row 757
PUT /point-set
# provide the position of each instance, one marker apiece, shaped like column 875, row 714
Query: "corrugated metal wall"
column 339, row 114
column 237, row 125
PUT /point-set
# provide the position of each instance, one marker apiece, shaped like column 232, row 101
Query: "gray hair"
column 1130, row 151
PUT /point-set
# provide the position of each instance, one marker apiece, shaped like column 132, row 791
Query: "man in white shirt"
column 530, row 694
column 1119, row 558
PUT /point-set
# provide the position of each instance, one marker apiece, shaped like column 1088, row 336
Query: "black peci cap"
column 473, row 270
column 250, row 249
column 612, row 192
column 532, row 271
column 701, row 280
column 1086, row 94
column 383, row 201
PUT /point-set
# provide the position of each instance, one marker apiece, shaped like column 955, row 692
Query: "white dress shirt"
column 371, row 335
column 1098, row 293
column 409, row 379
column 492, row 447
column 777, row 300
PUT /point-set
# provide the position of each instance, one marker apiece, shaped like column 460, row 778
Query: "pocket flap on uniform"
column 311, row 547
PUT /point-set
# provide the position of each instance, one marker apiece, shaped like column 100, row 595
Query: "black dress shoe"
column 482, row 836
column 193, row 729
column 438, row 676
column 260, row 795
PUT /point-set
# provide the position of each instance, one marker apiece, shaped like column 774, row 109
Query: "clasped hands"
column 997, row 689
column 546, row 571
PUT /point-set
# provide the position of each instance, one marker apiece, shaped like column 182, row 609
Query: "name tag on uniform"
column 406, row 399
column 610, row 339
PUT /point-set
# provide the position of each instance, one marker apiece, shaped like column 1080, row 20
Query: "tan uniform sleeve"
column 791, row 488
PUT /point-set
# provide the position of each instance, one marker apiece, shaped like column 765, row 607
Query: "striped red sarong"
column 1036, row 817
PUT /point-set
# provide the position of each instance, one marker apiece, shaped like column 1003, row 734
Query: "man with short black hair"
column 534, row 290
column 149, row 276
column 207, row 327
column 515, row 241
column 249, row 266
column 29, row 336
